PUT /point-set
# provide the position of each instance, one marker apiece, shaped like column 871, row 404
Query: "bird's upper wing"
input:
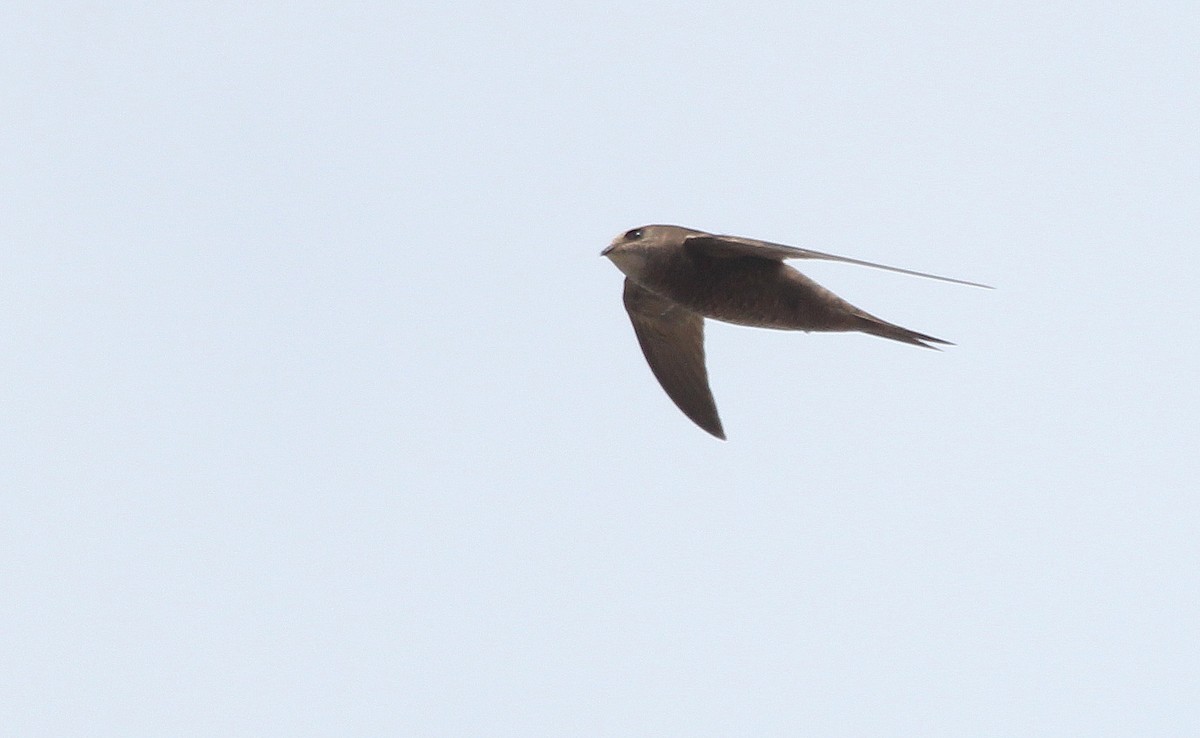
column 672, row 340
column 732, row 246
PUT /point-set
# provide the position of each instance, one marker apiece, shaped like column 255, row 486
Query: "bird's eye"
column 633, row 235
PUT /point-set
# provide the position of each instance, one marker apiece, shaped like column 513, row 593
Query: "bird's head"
column 632, row 249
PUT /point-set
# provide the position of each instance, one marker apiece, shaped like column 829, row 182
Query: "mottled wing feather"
column 672, row 341
column 734, row 246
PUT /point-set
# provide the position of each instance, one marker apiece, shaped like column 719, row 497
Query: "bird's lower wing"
column 731, row 246
column 672, row 340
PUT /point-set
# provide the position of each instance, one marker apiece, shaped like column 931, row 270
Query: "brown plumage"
column 675, row 277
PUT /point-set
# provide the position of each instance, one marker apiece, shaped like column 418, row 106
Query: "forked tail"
column 876, row 327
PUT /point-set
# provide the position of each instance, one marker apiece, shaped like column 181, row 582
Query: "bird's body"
column 760, row 293
column 676, row 277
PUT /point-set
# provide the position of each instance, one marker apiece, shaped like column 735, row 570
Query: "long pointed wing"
column 729, row 246
column 672, row 341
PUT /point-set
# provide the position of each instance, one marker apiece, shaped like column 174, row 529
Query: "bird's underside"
column 764, row 293
column 676, row 277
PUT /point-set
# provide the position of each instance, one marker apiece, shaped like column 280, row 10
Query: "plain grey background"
column 322, row 415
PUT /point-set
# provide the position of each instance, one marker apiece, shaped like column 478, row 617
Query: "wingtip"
column 976, row 284
column 709, row 423
column 711, row 426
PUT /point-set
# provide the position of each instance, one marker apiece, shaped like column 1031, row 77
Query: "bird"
column 676, row 277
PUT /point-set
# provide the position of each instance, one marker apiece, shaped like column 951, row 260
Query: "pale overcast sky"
column 323, row 416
